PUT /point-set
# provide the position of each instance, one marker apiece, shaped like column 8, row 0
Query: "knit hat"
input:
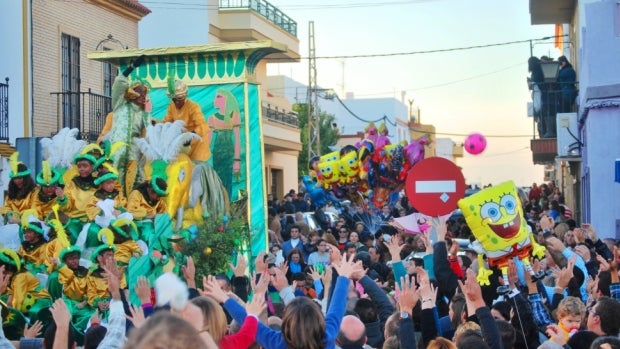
column 18, row 168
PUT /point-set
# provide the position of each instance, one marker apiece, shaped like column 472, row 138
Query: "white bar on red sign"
column 435, row 186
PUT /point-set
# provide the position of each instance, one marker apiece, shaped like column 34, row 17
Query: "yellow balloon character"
column 349, row 168
column 495, row 216
column 330, row 172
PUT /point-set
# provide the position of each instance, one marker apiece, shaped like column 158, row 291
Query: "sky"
column 459, row 91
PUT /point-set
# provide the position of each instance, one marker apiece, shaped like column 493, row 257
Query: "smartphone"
column 547, row 235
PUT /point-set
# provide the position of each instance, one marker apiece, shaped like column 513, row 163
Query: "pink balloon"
column 475, row 143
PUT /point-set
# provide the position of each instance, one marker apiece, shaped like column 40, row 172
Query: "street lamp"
column 550, row 70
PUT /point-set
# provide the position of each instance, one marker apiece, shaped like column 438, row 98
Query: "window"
column 277, row 186
column 70, row 81
column 109, row 72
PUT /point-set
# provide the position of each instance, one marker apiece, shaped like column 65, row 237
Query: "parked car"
column 313, row 224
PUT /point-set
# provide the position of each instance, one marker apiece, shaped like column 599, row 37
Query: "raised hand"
column 278, row 279
column 143, row 290
column 212, row 289
column 260, row 264
column 348, row 267
column 334, row 254
column 425, row 236
column 440, row 228
column 60, row 313
column 394, row 249
column 137, row 316
column 407, row 295
column 428, row 294
column 260, row 286
column 189, row 272
column 34, row 330
column 256, row 306
column 471, row 289
column 314, row 274
column 242, row 265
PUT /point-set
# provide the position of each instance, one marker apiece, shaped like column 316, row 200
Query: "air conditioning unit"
column 569, row 144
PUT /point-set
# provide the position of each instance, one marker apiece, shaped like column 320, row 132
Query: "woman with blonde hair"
column 166, row 330
column 440, row 343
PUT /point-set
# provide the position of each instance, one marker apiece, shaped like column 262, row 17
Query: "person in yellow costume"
column 44, row 197
column 24, row 293
column 106, row 182
column 145, row 202
column 97, row 285
column 125, row 235
column 495, row 216
column 33, row 249
column 79, row 191
column 20, row 193
column 183, row 108
column 74, row 280
column 57, row 242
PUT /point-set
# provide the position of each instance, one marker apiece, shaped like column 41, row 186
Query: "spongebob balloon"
column 349, row 168
column 330, row 172
column 495, row 216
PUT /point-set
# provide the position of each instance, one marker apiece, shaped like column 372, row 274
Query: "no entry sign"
column 434, row 186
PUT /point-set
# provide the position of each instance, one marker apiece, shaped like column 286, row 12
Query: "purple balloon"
column 475, row 143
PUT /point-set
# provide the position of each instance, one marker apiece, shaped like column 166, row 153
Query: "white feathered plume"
column 62, row 147
column 164, row 141
column 170, row 290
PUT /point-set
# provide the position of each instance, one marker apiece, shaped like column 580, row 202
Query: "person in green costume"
column 226, row 142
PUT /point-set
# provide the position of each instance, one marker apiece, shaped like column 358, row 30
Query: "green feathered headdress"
column 30, row 222
column 118, row 224
column 109, row 149
column 108, row 243
column 8, row 256
column 47, row 177
column 110, row 173
column 91, row 153
column 159, row 172
column 61, row 235
column 14, row 165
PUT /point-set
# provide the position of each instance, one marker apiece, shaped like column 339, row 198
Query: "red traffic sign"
column 434, row 186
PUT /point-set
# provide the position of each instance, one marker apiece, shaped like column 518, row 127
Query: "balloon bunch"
column 373, row 169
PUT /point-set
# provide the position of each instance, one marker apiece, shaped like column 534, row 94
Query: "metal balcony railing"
column 553, row 99
column 265, row 9
column 83, row 110
column 281, row 116
column 4, row 110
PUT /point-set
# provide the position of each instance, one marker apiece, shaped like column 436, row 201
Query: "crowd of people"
column 353, row 282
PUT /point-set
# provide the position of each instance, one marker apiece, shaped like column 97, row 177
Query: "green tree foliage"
column 329, row 135
column 218, row 240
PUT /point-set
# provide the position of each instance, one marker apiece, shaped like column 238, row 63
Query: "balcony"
column 85, row 111
column 265, row 9
column 552, row 11
column 545, row 148
column 256, row 20
column 279, row 115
